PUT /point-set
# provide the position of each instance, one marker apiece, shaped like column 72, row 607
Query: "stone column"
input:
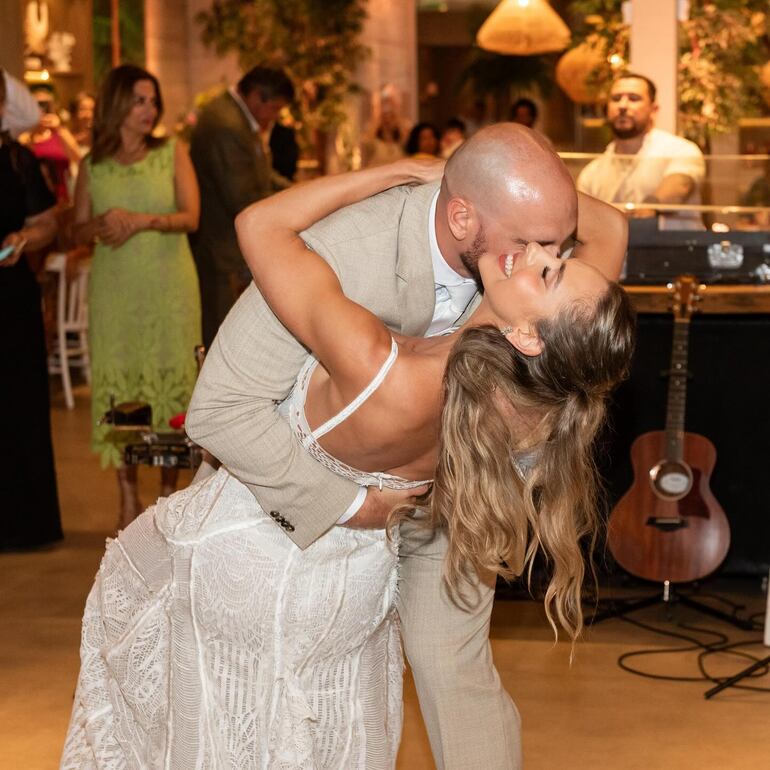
column 655, row 53
column 167, row 53
column 12, row 37
column 390, row 32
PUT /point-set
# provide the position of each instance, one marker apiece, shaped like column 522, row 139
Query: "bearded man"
column 645, row 164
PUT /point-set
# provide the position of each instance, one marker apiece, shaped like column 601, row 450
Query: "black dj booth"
column 728, row 389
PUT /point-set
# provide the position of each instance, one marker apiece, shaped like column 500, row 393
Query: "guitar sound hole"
column 671, row 479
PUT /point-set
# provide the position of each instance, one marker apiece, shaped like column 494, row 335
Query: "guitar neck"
column 677, row 390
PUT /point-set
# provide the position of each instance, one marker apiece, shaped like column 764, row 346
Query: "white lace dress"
column 211, row 641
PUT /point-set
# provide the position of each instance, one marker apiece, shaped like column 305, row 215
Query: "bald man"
column 409, row 255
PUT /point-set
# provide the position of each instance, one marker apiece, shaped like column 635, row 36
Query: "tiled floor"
column 590, row 715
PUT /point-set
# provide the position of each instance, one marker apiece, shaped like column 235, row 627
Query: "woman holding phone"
column 27, row 480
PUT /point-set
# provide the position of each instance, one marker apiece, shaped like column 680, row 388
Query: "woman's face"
column 533, row 283
column 85, row 112
column 144, row 110
column 427, row 141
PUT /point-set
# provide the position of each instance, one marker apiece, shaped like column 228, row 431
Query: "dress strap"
column 361, row 398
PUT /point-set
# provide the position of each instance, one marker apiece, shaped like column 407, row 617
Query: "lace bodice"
column 294, row 410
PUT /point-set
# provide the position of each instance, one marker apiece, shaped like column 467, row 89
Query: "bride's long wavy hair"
column 499, row 407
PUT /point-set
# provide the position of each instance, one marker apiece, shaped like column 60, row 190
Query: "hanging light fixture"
column 523, row 28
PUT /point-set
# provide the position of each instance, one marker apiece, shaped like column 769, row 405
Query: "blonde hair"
column 499, row 407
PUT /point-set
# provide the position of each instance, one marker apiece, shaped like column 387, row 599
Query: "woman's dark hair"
column 528, row 104
column 114, row 102
column 412, row 145
column 652, row 91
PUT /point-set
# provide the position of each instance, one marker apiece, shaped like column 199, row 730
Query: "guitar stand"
column 668, row 597
column 737, row 678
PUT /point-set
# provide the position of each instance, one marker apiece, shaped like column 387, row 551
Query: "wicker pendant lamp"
column 523, row 28
column 574, row 69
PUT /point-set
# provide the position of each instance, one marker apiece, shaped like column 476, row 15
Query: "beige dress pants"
column 471, row 720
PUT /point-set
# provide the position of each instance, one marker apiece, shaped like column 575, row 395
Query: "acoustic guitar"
column 669, row 526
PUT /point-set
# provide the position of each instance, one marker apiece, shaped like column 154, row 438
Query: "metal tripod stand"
column 668, row 596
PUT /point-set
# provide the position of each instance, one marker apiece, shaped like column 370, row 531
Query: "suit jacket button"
column 275, row 515
column 289, row 528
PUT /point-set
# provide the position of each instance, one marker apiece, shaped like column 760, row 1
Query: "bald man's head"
column 504, row 186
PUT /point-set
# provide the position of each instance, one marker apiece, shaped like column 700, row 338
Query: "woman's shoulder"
column 414, row 382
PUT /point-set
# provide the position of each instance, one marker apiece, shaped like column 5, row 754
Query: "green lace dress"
column 144, row 305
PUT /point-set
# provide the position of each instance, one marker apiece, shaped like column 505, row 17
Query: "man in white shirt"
column 644, row 164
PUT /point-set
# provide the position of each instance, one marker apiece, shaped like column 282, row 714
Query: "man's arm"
column 674, row 188
column 252, row 364
column 602, row 235
column 684, row 172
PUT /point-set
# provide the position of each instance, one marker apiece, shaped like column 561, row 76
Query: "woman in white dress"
column 211, row 641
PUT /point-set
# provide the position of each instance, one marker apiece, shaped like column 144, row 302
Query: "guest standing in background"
column 30, row 503
column 136, row 198
column 232, row 162
column 54, row 146
column 82, row 121
column 453, row 137
column 284, row 151
column 524, row 111
column 423, row 141
column 386, row 143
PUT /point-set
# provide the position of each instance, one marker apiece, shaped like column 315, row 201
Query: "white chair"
column 71, row 345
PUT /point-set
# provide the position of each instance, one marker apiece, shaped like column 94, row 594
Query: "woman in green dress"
column 135, row 200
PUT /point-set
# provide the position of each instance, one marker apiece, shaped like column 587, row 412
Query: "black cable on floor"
column 721, row 644
column 729, row 649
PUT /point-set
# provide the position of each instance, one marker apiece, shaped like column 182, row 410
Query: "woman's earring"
column 506, row 330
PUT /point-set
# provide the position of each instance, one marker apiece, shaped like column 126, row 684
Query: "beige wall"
column 175, row 53
column 206, row 69
column 391, row 33
column 11, row 37
column 166, row 51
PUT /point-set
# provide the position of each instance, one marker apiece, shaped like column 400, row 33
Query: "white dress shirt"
column 632, row 178
column 454, row 293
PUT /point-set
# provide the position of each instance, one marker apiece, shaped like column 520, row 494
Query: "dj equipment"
column 659, row 256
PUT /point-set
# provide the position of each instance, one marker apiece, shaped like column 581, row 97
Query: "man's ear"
column 526, row 340
column 459, row 217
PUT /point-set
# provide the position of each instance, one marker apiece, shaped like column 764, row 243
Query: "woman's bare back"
column 396, row 429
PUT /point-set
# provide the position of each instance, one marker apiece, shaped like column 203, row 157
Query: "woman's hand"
column 116, row 226
column 18, row 241
column 420, row 170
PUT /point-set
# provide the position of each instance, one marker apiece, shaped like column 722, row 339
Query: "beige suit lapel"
column 414, row 268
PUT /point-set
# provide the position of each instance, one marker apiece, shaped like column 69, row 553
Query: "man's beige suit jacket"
column 380, row 250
